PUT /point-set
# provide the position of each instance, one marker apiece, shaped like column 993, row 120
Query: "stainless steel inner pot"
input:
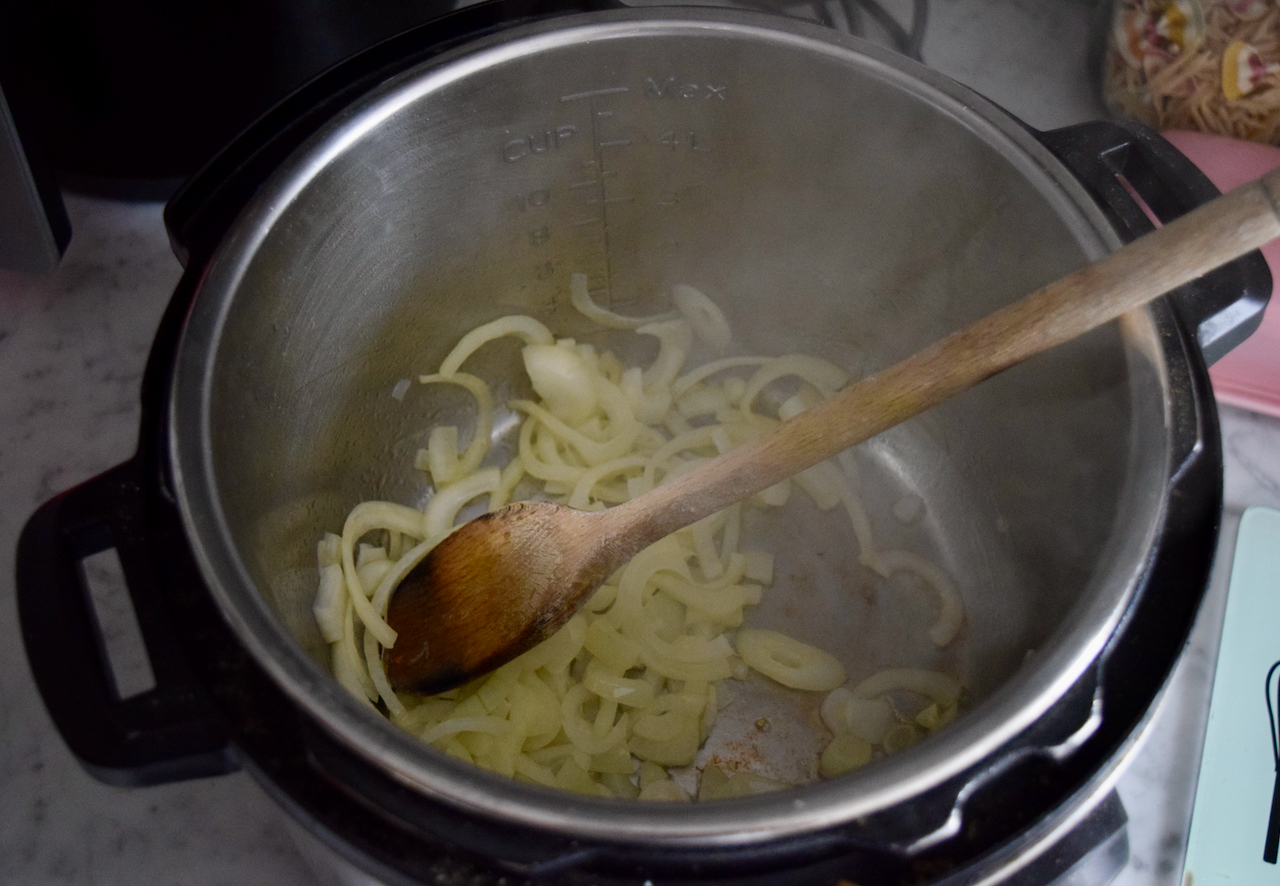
column 833, row 199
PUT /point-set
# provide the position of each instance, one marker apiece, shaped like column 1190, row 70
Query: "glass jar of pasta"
column 1206, row 65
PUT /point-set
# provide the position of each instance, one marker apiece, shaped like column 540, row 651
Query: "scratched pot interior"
column 850, row 212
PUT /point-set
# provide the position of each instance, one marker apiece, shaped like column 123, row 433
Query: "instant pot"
column 831, row 197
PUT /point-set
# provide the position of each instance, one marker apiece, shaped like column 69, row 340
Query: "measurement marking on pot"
column 593, row 187
column 673, row 140
column 550, row 139
column 600, row 144
column 592, row 93
column 534, row 199
column 672, row 88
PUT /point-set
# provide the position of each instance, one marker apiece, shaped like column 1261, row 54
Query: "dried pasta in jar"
column 1206, row 65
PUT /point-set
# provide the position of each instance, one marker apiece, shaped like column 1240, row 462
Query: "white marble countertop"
column 72, row 348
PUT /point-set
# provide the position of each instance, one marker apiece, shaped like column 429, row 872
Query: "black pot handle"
column 1131, row 171
column 167, row 733
column 200, row 212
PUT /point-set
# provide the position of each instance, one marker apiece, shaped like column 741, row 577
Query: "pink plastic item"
column 1249, row 376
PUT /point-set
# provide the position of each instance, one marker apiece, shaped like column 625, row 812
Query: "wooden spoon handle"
column 1196, row 243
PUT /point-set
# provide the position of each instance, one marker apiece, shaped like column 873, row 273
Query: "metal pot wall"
column 833, row 199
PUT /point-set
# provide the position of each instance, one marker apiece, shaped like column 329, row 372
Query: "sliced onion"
column 665, row 790
column 562, row 380
column 846, row 752
column 581, row 299
column 824, row 375
column 706, row 370
column 478, row 446
column 442, row 510
column 705, row 316
column 331, row 603
column 870, row 718
column 675, row 337
column 364, row 518
column 951, row 607
column 940, row 687
column 527, row 329
column 790, row 662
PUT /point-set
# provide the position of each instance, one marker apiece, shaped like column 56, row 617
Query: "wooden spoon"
column 505, row 581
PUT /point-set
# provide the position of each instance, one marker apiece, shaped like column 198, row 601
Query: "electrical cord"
column 1272, row 846
column 908, row 42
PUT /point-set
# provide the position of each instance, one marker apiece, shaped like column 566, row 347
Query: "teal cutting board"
column 1234, row 830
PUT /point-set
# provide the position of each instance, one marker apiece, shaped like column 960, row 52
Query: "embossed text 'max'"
column 672, row 88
